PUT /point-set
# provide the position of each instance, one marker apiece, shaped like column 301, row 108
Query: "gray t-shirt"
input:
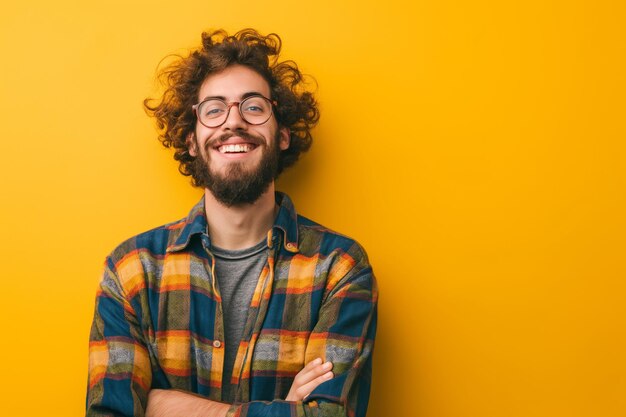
column 237, row 273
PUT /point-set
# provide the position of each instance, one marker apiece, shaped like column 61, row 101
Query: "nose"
column 234, row 121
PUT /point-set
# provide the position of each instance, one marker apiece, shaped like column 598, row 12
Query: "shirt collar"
column 286, row 222
column 195, row 223
column 183, row 230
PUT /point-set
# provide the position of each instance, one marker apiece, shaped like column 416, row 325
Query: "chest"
column 187, row 317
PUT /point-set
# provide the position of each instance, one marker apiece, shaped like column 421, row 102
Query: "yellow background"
column 475, row 148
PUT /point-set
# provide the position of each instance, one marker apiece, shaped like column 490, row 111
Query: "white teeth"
column 239, row 147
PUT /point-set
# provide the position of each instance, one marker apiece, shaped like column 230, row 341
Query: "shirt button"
column 217, row 344
column 290, row 245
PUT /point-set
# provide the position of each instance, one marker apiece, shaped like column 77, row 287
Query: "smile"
column 236, row 148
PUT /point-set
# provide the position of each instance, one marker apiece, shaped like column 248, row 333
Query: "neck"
column 240, row 227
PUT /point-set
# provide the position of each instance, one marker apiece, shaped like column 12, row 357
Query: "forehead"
column 233, row 82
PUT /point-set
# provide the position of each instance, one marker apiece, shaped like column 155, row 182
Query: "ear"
column 192, row 144
column 284, row 139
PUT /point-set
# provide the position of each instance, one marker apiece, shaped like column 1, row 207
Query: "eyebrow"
column 243, row 97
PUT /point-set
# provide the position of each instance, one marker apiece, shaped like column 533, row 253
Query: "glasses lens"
column 256, row 110
column 212, row 112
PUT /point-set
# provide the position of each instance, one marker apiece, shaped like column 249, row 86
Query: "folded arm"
column 344, row 335
column 119, row 361
column 120, row 370
column 175, row 403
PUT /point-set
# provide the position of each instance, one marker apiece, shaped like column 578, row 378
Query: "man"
column 243, row 308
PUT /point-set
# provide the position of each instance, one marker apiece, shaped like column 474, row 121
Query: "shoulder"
column 151, row 243
column 327, row 238
column 139, row 259
column 340, row 259
column 315, row 238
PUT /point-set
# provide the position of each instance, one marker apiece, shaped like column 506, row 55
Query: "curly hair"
column 296, row 109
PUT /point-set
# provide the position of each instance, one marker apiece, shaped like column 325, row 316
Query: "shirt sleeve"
column 344, row 334
column 119, row 364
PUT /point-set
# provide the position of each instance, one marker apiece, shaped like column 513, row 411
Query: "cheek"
column 200, row 140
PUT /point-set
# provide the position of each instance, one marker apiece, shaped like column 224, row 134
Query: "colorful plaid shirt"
column 158, row 321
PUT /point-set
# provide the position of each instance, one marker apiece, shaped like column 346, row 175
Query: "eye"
column 212, row 109
column 254, row 105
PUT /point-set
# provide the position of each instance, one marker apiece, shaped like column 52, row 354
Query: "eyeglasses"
column 254, row 110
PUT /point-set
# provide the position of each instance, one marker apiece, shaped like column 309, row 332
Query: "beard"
column 239, row 185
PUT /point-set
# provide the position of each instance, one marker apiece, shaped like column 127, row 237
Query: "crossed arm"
column 120, row 374
column 174, row 403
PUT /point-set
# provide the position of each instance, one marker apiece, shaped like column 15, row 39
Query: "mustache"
column 224, row 137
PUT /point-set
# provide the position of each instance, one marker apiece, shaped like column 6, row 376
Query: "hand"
column 313, row 374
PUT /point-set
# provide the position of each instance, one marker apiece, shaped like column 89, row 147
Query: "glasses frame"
column 229, row 105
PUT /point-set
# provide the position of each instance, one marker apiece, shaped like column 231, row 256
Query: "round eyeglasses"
column 254, row 110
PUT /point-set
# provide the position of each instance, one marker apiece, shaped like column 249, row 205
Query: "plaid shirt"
column 158, row 321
